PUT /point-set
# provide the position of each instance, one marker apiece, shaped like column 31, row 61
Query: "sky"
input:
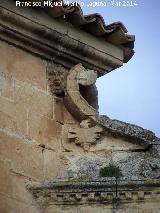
column 132, row 93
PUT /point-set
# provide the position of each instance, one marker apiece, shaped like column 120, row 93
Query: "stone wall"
column 34, row 146
column 30, row 130
column 136, row 207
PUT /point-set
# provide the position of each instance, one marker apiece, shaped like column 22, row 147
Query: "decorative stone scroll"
column 86, row 135
column 78, row 80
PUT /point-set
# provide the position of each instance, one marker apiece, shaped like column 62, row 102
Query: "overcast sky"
column 132, row 92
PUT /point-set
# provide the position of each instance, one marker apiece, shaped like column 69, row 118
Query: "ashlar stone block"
column 13, row 116
column 47, row 132
column 26, row 159
column 22, row 66
column 33, row 99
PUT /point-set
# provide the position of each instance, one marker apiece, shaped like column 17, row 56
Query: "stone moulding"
column 21, row 29
column 99, row 191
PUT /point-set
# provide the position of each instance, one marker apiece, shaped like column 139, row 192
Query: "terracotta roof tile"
column 115, row 33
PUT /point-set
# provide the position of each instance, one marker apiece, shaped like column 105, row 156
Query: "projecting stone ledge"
column 119, row 128
column 101, row 190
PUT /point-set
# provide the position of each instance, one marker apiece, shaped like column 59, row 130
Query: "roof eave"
column 57, row 40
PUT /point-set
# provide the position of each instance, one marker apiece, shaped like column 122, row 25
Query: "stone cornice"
column 123, row 129
column 55, row 40
column 100, row 190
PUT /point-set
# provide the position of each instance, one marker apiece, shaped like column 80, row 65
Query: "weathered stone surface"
column 55, row 209
column 57, row 76
column 150, row 168
column 14, row 183
column 89, row 193
column 34, row 123
column 6, row 86
column 68, row 118
column 137, row 164
column 58, row 112
column 5, row 177
column 13, row 116
column 130, row 165
column 10, row 205
column 101, row 209
column 155, row 150
column 33, row 99
column 26, row 159
column 86, row 135
column 23, row 66
column 110, row 143
column 76, row 104
column 66, row 145
column 45, row 131
column 124, row 129
column 87, row 166
column 25, row 101
column 52, row 164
